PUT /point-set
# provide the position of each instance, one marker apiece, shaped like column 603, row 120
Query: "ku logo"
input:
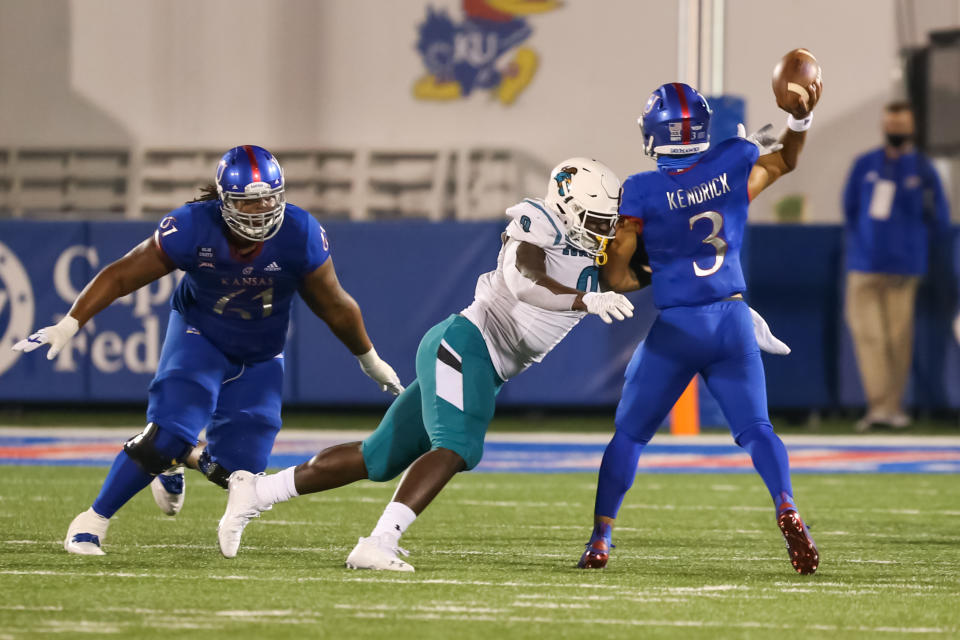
column 247, row 271
column 472, row 54
column 16, row 306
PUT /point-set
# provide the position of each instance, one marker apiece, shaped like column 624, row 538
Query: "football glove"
column 381, row 373
column 56, row 336
column 764, row 138
column 765, row 338
column 609, row 305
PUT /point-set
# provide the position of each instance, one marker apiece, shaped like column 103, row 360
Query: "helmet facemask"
column 588, row 231
column 647, row 141
column 253, row 224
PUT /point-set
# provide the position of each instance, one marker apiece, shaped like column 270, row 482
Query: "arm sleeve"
column 640, row 263
column 174, row 235
column 526, row 290
column 751, row 153
column 631, row 203
column 318, row 246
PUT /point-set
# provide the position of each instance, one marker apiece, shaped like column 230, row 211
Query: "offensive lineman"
column 693, row 210
column 246, row 252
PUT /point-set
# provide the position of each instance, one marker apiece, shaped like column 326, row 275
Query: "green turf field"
column 698, row 556
column 599, row 421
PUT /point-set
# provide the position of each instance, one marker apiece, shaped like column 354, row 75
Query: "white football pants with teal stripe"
column 449, row 405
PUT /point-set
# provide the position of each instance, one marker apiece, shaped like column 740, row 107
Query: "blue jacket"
column 893, row 239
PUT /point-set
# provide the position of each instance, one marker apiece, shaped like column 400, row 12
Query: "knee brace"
column 155, row 451
column 214, row 471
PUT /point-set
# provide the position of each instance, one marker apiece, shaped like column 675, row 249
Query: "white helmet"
column 587, row 195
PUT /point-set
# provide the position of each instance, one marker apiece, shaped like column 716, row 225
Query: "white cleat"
column 86, row 533
column 378, row 553
column 242, row 506
column 168, row 490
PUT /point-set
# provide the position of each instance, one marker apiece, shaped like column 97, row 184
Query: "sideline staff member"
column 892, row 203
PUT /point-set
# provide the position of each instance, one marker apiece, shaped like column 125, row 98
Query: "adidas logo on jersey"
column 273, row 266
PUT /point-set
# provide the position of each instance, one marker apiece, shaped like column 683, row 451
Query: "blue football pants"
column 196, row 386
column 716, row 341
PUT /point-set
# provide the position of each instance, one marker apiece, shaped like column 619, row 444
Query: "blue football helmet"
column 250, row 174
column 675, row 122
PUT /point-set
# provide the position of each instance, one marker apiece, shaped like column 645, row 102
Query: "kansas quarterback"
column 693, row 211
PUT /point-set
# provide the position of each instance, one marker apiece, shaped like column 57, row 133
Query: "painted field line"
column 427, row 552
column 668, row 623
column 432, row 612
column 832, row 588
column 349, row 435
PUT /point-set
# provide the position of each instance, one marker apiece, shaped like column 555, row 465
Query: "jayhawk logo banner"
column 476, row 53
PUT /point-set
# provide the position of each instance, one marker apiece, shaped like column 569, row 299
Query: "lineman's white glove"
column 956, row 327
column 382, row 373
column 765, row 338
column 764, row 137
column 609, row 305
column 56, row 336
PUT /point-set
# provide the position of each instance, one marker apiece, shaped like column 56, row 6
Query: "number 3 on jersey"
column 718, row 243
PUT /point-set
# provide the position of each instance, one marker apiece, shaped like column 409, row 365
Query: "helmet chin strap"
column 601, row 258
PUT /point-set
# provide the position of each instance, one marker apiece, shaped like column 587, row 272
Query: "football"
column 797, row 82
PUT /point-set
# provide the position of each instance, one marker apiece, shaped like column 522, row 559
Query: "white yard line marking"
column 445, row 610
column 823, row 587
column 664, row 623
column 309, row 436
column 242, row 613
column 552, row 605
column 427, row 551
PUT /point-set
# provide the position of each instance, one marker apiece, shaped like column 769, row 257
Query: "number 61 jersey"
column 240, row 304
column 693, row 223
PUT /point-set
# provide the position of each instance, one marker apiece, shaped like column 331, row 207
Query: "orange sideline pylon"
column 685, row 416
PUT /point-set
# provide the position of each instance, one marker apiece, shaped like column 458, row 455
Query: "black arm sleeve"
column 640, row 263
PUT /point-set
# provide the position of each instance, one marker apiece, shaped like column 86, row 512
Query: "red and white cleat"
column 800, row 546
column 596, row 554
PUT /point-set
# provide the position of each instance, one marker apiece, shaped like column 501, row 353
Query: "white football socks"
column 276, row 487
column 394, row 521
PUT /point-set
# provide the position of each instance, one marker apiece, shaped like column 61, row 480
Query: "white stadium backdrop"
column 339, row 73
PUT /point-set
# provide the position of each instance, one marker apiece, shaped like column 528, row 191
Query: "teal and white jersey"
column 518, row 334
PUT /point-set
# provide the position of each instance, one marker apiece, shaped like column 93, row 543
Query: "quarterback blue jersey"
column 240, row 304
column 693, row 222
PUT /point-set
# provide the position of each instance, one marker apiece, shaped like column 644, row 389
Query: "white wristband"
column 799, row 125
column 369, row 358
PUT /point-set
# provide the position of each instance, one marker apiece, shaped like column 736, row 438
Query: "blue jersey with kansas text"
column 693, row 223
column 240, row 304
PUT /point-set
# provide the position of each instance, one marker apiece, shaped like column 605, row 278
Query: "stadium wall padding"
column 409, row 275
